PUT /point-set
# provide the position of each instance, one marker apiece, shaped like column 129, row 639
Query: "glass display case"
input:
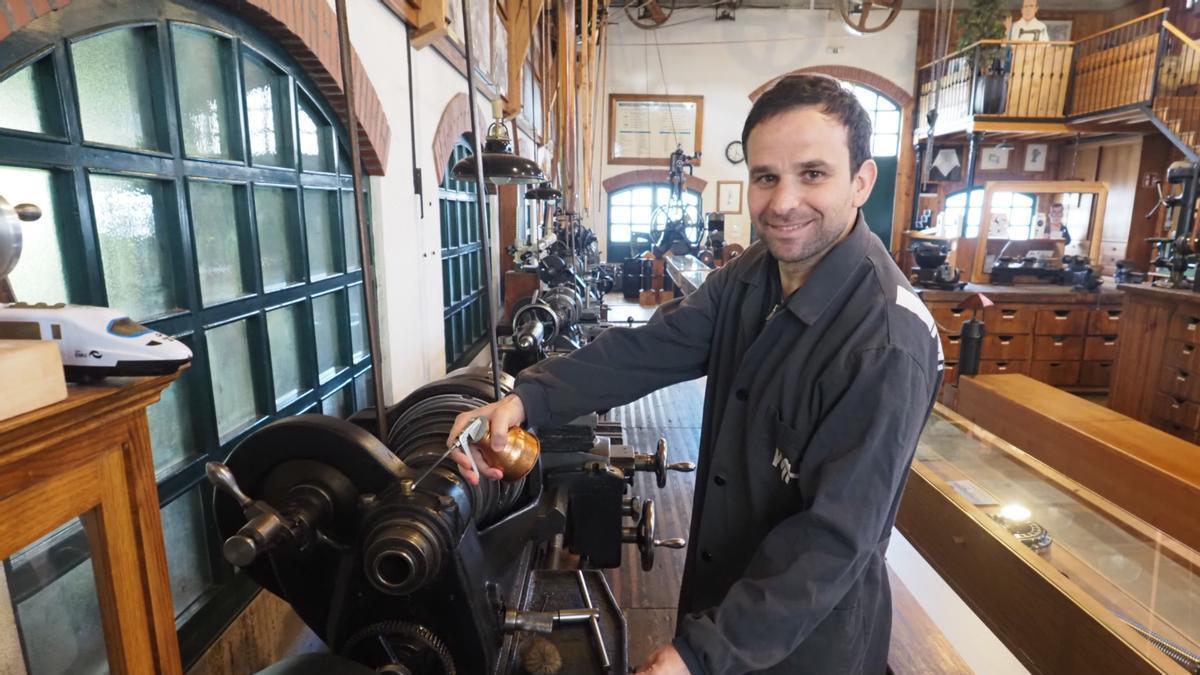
column 1120, row 570
column 687, row 272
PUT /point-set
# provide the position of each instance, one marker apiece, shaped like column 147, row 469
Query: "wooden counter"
column 1157, row 377
column 90, row 457
column 1047, row 331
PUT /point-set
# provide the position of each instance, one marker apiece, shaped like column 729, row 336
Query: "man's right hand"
column 501, row 416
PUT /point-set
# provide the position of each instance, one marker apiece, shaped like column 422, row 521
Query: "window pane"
column 643, row 196
column 316, row 145
column 641, row 214
column 113, row 74
column 203, row 64
column 887, row 122
column 60, row 623
column 232, row 382
column 285, row 332
column 662, row 196
column 278, row 236
column 620, row 214
column 29, row 99
column 172, row 430
column 1001, row 199
column 215, row 215
column 619, row 233
column 690, row 197
column 134, row 245
column 320, row 219
column 358, row 323
column 339, row 403
column 350, row 231
column 866, row 97
column 364, row 389
column 39, row 276
column 623, row 198
column 884, row 145
column 184, row 536
column 327, row 319
column 266, row 103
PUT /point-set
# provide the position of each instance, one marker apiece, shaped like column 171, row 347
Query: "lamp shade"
column 543, row 193
column 500, row 165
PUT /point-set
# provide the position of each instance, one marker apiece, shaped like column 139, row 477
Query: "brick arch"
column 455, row 121
column 307, row 30
column 641, row 176
column 850, row 74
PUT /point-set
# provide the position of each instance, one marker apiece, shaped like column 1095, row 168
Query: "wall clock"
column 734, row 153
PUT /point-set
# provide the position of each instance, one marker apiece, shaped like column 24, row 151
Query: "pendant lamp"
column 500, row 165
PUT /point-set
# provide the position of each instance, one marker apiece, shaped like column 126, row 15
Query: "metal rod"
column 364, row 235
column 972, row 149
column 593, row 621
column 485, row 235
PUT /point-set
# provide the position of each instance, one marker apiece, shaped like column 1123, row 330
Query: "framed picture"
column 1035, row 157
column 947, row 164
column 994, row 158
column 644, row 129
column 729, row 196
column 1058, row 31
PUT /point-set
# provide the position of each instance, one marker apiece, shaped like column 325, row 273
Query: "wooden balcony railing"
column 1115, row 67
column 1047, row 80
column 1177, row 86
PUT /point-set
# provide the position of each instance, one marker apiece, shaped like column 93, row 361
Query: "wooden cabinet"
column 89, row 457
column 1157, row 378
column 1050, row 333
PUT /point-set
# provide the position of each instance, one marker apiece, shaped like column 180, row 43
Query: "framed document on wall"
column 729, row 196
column 646, row 128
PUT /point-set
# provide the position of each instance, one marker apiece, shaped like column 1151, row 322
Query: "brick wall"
column 307, row 29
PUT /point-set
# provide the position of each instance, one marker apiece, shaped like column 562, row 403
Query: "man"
column 822, row 367
column 1028, row 29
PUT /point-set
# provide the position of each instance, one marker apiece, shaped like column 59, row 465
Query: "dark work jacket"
column 811, row 418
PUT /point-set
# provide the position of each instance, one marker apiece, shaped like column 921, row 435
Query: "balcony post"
column 972, row 149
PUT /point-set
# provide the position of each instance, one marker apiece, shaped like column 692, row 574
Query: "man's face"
column 1028, row 9
column 802, row 196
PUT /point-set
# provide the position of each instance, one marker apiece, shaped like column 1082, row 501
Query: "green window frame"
column 186, row 206
column 631, row 211
column 464, row 303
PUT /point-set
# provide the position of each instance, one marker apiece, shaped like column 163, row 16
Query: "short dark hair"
column 824, row 93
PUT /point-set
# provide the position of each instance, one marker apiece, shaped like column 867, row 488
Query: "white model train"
column 94, row 341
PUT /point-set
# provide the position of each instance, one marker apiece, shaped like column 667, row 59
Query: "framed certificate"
column 645, row 129
column 729, row 196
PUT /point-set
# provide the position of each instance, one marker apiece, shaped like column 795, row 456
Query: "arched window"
column 190, row 175
column 464, row 311
column 631, row 216
column 1016, row 206
column 885, row 120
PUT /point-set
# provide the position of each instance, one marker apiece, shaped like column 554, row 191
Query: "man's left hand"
column 665, row 661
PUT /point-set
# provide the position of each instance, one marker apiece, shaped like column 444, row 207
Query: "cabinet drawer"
column 1177, row 411
column 991, row 367
column 1057, row 373
column 1009, row 319
column 950, row 345
column 1095, row 373
column 1177, row 383
column 1104, row 321
column 1174, row 429
column 949, row 372
column 1100, row 348
column 1057, row 348
column 1061, row 321
column 949, row 318
column 1181, row 355
column 1185, row 326
column 1007, row 347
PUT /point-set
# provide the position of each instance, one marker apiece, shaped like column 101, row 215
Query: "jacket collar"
column 832, row 274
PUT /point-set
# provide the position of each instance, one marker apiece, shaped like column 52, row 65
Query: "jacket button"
column 719, row 480
column 706, row 556
column 741, row 395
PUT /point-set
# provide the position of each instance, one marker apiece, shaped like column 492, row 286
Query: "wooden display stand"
column 89, row 457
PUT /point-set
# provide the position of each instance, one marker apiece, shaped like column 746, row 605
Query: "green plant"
column 983, row 20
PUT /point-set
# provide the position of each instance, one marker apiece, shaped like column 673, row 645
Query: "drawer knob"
column 1061, row 314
